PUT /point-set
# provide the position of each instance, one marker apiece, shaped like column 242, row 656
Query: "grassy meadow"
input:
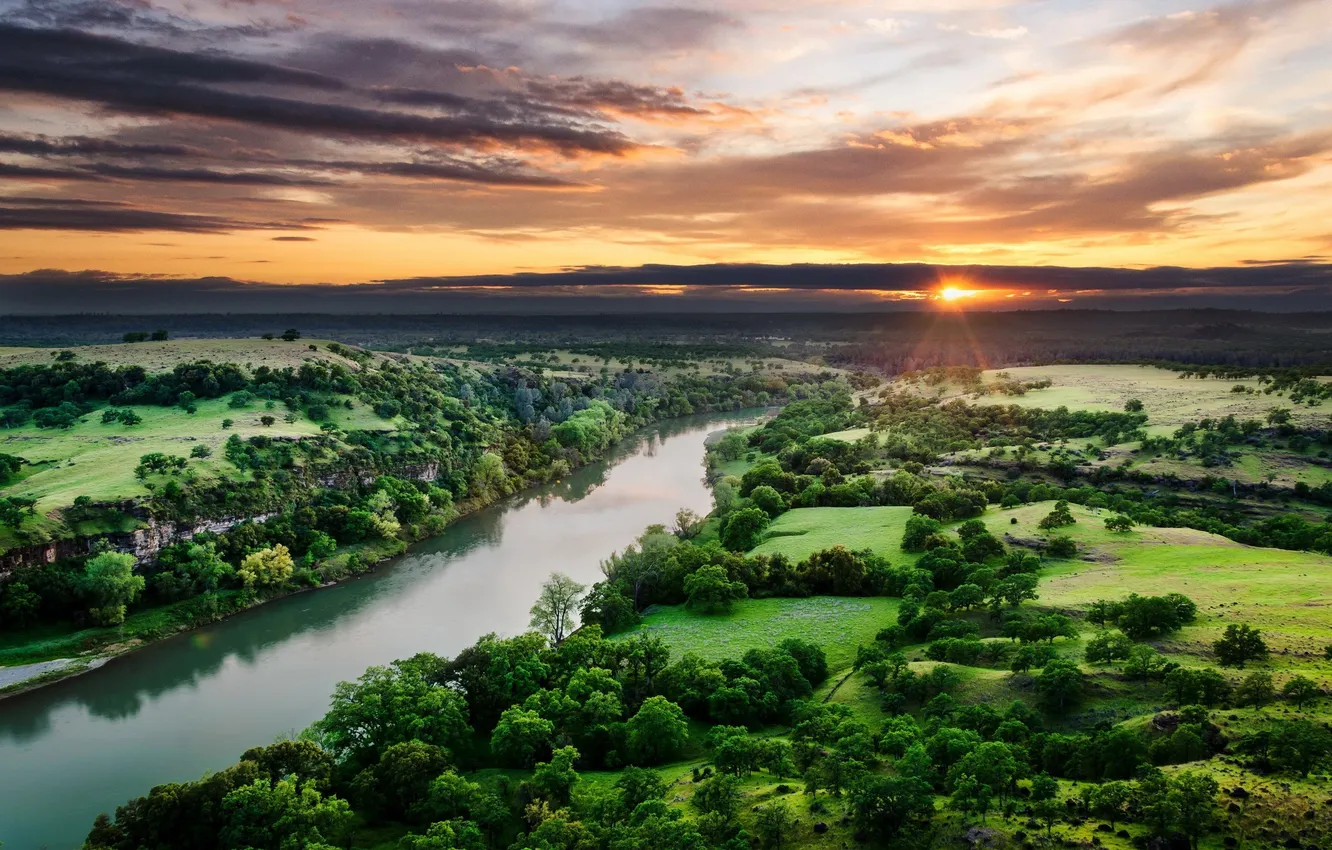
column 98, row 460
column 801, row 532
column 837, row 624
column 1170, row 400
column 165, row 356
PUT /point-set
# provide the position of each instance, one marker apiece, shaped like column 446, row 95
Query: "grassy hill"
column 800, row 533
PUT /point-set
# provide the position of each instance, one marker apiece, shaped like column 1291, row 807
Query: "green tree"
column 1194, row 797
column 657, row 731
column 1256, row 689
column 389, row 705
column 268, row 815
column 1300, row 690
column 1111, row 800
column 1059, row 517
column 768, row 500
column 554, row 780
column 267, row 568
column 521, row 737
column 774, row 824
column 886, row 806
column 1300, row 745
column 129, row 418
column 1240, row 644
column 743, row 529
column 1119, row 522
column 554, row 611
column 1106, row 647
column 711, row 592
column 110, row 586
column 1060, row 684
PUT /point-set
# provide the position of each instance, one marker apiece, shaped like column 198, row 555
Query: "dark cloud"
column 723, row 288
column 294, row 239
column 900, row 277
column 156, row 81
column 120, row 219
column 656, row 29
column 88, row 146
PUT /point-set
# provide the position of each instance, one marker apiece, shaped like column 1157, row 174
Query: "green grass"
column 803, row 531
column 1169, row 399
column 164, row 356
column 837, row 624
column 98, row 461
column 848, row 436
column 1288, row 595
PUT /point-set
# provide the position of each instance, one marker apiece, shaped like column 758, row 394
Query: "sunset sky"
column 356, row 141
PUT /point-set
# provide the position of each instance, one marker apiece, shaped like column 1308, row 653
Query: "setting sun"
column 953, row 293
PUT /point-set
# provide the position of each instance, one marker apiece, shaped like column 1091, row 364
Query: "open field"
column 1288, row 595
column 848, row 436
column 96, row 460
column 837, row 624
column 801, row 532
column 1169, row 399
column 164, row 356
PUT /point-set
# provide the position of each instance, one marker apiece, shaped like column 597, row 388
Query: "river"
column 192, row 704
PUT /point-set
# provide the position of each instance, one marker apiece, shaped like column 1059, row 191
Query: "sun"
column 952, row 293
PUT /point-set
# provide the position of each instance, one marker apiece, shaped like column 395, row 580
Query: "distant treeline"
column 892, row 342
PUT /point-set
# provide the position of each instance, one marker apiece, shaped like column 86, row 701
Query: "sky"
column 177, row 146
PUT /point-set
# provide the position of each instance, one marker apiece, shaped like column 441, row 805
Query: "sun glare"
column 952, row 293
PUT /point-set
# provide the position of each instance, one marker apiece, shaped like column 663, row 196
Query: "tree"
column 1256, row 689
column 1133, row 405
column 201, row 451
column 1058, row 518
column 129, row 418
column 774, row 823
column 291, row 334
column 389, row 705
column 1300, row 690
column 885, row 806
column 1111, row 800
column 1300, row 745
column 267, row 568
column 919, row 528
column 711, row 592
column 1061, row 546
column 1119, row 522
column 160, row 335
column 1060, row 684
column 768, row 500
column 554, row 610
column 743, row 529
column 1239, row 644
column 638, row 785
column 267, row 421
column 720, row 796
column 1193, row 796
column 268, row 815
column 658, row 731
column 554, row 780
column 1107, row 647
column 110, row 585
column 521, row 737
column 687, row 524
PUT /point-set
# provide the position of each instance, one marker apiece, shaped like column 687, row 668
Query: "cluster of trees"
column 398, row 744
column 145, row 336
column 466, row 424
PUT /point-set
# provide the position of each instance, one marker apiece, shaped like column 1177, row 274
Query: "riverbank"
column 181, row 707
column 50, row 655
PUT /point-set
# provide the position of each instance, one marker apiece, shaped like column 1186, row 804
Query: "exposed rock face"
column 145, row 543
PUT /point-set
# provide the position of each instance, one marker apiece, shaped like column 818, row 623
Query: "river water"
column 193, row 704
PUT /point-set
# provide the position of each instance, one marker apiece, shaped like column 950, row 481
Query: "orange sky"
column 341, row 141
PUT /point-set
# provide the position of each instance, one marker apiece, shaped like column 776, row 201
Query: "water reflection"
column 194, row 703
